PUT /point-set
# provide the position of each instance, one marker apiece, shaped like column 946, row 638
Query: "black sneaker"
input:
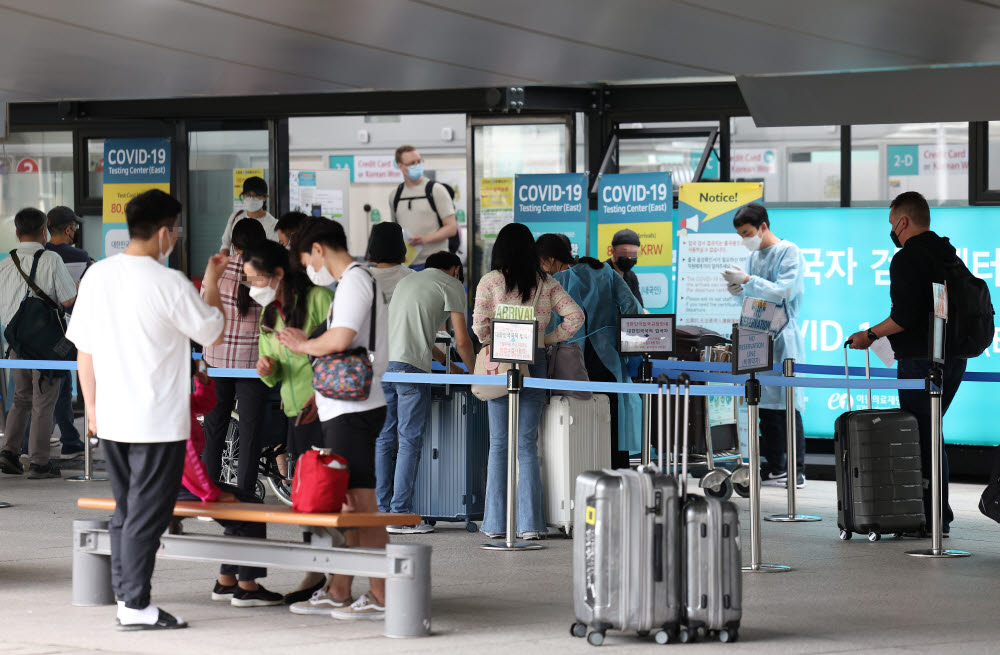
column 72, row 451
column 259, row 597
column 10, row 463
column 223, row 593
column 304, row 594
column 50, row 470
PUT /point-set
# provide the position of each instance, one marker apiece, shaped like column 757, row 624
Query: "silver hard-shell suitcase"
column 712, row 564
column 626, row 553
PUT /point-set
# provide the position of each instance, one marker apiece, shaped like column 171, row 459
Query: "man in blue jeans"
column 911, row 274
column 420, row 305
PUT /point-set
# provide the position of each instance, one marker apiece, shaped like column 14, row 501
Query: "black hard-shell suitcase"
column 879, row 482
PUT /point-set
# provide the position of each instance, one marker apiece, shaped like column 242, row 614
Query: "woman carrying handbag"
column 517, row 278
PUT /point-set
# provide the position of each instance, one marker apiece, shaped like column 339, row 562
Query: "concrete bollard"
column 408, row 590
column 91, row 572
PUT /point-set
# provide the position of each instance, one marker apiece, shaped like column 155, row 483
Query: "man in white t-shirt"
column 350, row 428
column 133, row 324
column 427, row 227
column 254, row 199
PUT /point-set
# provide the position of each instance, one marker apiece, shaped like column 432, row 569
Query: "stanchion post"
column 646, row 376
column 935, row 388
column 88, row 455
column 753, row 399
column 510, row 543
column 792, row 459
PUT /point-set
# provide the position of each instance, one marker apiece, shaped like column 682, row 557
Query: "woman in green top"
column 289, row 300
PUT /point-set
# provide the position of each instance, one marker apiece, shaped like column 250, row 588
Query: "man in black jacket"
column 911, row 274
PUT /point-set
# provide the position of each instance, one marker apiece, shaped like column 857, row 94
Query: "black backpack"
column 454, row 240
column 970, row 310
column 38, row 329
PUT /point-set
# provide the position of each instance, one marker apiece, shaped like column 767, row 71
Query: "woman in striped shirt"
column 517, row 279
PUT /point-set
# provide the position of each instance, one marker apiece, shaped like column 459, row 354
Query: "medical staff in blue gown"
column 774, row 272
column 603, row 295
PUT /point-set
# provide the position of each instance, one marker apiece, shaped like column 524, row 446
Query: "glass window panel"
column 993, row 149
column 213, row 156
column 932, row 158
column 36, row 170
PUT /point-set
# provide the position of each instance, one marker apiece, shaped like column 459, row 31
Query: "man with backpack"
column 33, row 281
column 423, row 208
column 925, row 258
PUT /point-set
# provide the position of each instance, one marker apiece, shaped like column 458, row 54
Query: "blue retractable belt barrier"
column 857, row 371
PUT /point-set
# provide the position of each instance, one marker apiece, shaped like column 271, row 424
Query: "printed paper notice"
column 883, row 350
column 513, row 342
column 702, row 298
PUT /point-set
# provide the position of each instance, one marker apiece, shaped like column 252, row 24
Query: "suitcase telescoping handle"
column 685, row 380
column 663, row 420
column 847, row 374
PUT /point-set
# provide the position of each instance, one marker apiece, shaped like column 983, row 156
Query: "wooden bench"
column 405, row 567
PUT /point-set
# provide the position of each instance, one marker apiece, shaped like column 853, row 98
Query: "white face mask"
column 752, row 243
column 164, row 256
column 321, row 278
column 263, row 296
column 253, row 204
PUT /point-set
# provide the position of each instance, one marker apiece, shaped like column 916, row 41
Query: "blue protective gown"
column 776, row 275
column 603, row 295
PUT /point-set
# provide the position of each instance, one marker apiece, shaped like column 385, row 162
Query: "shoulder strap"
column 395, row 202
column 429, row 192
column 371, row 330
column 30, row 279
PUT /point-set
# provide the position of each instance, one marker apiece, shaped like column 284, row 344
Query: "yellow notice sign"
column 496, row 193
column 116, row 196
column 718, row 198
column 240, row 176
column 656, row 238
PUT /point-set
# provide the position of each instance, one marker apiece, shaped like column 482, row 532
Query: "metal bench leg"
column 408, row 590
column 91, row 571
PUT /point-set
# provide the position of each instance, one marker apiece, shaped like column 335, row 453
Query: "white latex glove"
column 734, row 289
column 735, row 275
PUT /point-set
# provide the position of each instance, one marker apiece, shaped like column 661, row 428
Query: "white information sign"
column 646, row 333
column 763, row 316
column 514, row 342
column 753, row 352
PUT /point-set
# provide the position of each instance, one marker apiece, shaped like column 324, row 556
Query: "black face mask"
column 895, row 237
column 625, row 264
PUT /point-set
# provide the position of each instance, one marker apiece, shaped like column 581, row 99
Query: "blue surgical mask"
column 415, row 172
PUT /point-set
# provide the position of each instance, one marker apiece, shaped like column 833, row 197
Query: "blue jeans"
column 397, row 449
column 530, row 507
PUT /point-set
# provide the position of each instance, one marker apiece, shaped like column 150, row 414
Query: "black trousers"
column 252, row 397
column 145, row 479
column 302, row 438
column 237, row 529
column 918, row 403
column 774, row 440
column 598, row 372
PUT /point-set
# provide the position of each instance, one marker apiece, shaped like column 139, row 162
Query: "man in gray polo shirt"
column 420, row 306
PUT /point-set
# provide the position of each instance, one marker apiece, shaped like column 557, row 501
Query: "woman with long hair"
column 517, row 278
column 288, row 299
column 603, row 295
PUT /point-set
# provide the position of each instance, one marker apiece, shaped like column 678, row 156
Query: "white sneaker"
column 363, row 609
column 423, row 528
column 320, row 603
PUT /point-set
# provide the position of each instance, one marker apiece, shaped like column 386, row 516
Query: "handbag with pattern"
column 347, row 375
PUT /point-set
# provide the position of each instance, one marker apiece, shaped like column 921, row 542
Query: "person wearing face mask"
column 133, row 325
column 350, row 427
column 427, row 226
column 625, row 246
column 254, row 197
column 921, row 257
column 289, row 299
column 774, row 273
column 237, row 350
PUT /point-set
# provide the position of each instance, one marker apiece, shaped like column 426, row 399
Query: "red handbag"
column 320, row 482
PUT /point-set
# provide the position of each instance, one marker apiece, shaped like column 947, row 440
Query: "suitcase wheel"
column 662, row 637
column 686, row 636
column 845, row 535
column 471, row 527
column 728, row 635
column 874, row 536
column 596, row 638
column 578, row 630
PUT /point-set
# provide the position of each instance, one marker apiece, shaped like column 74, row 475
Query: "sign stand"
column 646, row 376
column 88, row 456
column 935, row 386
column 519, row 348
column 753, row 352
column 792, row 456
